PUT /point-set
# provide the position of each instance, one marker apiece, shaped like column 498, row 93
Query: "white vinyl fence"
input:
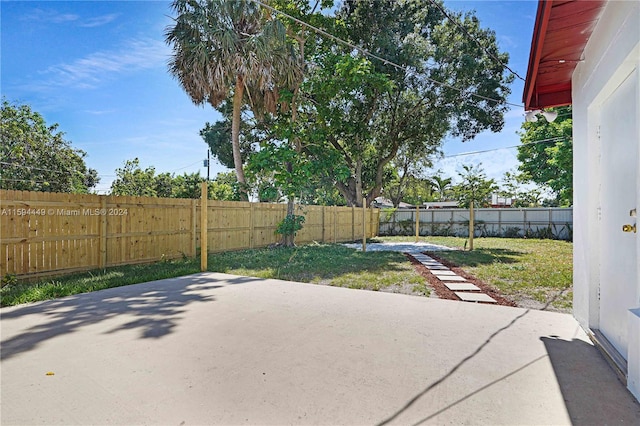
column 556, row 223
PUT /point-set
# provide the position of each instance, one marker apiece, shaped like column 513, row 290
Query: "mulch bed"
column 444, row 293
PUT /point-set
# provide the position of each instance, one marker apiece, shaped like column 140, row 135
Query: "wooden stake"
column 471, row 226
column 364, row 224
column 417, row 223
column 203, row 228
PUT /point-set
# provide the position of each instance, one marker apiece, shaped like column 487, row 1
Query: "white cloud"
column 99, row 20
column 90, row 71
column 100, row 112
column 507, row 42
column 50, row 16
column 494, row 163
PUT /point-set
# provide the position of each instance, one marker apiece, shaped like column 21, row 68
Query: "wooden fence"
column 45, row 233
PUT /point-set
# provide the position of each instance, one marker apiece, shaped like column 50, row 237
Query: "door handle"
column 630, row 228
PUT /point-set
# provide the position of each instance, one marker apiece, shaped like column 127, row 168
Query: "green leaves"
column 35, row 156
column 133, row 181
column 290, row 225
column 549, row 163
column 474, row 187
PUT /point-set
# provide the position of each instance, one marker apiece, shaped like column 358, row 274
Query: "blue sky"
column 98, row 68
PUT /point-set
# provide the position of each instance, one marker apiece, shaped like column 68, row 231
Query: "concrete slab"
column 443, row 273
column 475, row 297
column 218, row 349
column 424, row 259
column 451, row 278
column 462, row 286
column 437, row 268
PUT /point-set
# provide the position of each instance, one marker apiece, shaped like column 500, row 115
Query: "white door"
column 619, row 163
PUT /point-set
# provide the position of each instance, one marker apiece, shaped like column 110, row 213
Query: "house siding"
column 611, row 56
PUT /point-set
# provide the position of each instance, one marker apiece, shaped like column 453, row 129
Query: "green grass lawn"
column 521, row 269
column 525, row 270
column 329, row 264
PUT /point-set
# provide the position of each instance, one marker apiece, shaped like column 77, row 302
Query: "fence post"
column 364, row 224
column 251, row 226
column 203, row 227
column 335, row 224
column 102, row 262
column 471, row 226
column 500, row 222
column 353, row 223
column 417, row 223
column 323, row 224
column 194, row 227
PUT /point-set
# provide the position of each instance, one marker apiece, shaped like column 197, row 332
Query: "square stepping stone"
column 423, row 258
column 475, row 297
column 437, row 268
column 462, row 287
column 452, row 278
column 439, row 273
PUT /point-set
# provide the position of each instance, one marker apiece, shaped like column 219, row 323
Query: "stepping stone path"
column 465, row 291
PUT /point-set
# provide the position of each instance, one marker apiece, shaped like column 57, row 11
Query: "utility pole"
column 207, row 163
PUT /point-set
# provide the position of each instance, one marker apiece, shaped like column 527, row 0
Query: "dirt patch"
column 410, row 289
column 444, row 293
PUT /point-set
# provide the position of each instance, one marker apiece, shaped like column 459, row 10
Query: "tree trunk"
column 235, row 136
column 288, row 239
column 358, row 177
column 348, row 191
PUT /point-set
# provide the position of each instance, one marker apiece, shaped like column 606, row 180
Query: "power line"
column 464, row 30
column 181, row 168
column 372, row 55
column 558, row 139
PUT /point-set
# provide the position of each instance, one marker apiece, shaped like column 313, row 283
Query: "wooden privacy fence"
column 45, row 233
column 511, row 222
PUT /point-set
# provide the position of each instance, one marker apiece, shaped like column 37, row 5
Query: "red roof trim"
column 539, row 33
column 560, row 34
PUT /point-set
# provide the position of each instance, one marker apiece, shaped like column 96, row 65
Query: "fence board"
column 48, row 233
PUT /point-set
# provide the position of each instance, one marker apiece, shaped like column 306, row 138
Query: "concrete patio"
column 220, row 349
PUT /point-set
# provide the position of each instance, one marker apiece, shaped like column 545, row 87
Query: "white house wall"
column 611, row 55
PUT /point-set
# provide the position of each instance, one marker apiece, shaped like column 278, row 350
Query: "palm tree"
column 442, row 186
column 236, row 48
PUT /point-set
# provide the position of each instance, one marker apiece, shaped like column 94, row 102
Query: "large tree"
column 444, row 84
column 546, row 154
column 237, row 49
column 34, row 156
column 218, row 136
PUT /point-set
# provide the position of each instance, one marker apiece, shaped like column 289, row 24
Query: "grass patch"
column 329, row 264
column 316, row 263
column 22, row 292
column 541, row 270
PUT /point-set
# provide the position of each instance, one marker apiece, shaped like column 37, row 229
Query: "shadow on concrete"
column 156, row 307
column 452, row 372
column 577, row 365
column 477, row 391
